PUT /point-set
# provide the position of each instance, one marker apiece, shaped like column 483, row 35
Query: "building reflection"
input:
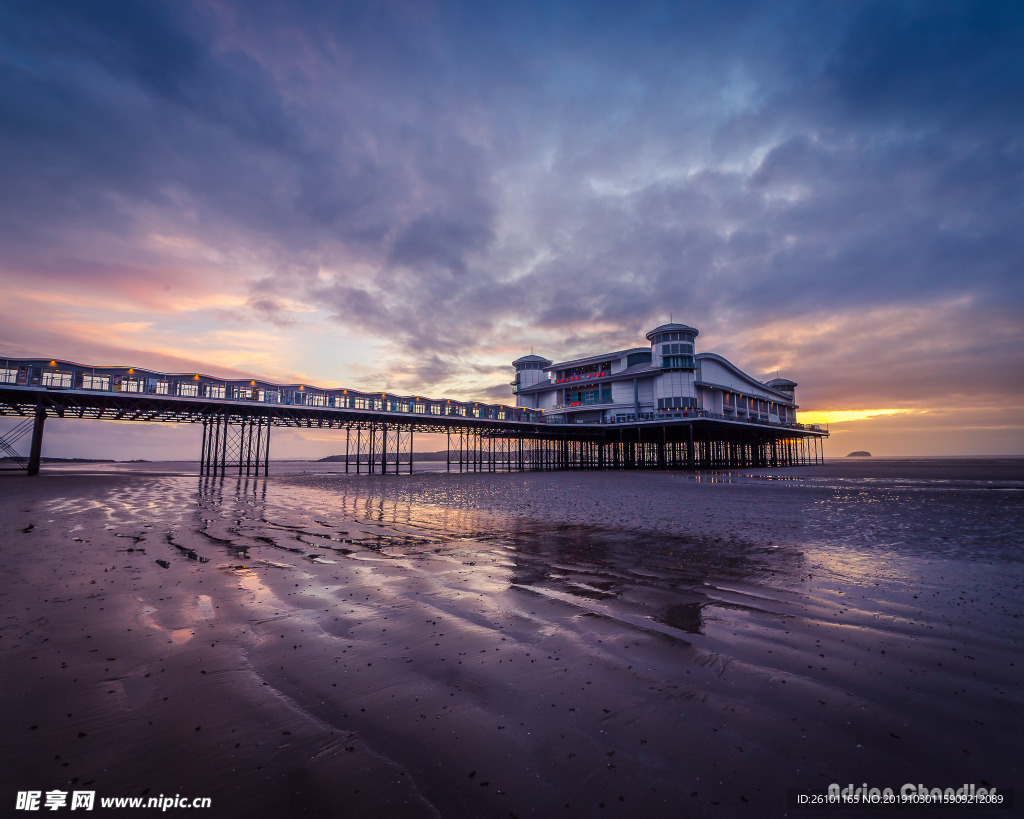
column 642, row 575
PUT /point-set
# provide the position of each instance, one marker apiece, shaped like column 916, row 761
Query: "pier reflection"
column 637, row 576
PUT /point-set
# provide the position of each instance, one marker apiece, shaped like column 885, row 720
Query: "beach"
column 513, row 644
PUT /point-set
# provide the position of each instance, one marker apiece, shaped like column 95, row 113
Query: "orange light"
column 253, row 383
column 301, row 387
column 196, row 377
column 53, row 363
column 131, row 371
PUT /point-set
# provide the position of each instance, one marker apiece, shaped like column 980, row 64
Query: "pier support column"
column 243, row 444
column 37, row 439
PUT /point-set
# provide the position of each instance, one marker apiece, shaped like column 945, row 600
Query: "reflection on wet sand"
column 653, row 578
column 655, row 643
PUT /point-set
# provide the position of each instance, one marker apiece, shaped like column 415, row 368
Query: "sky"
column 406, row 196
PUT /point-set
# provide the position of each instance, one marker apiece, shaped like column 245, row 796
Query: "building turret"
column 672, row 346
column 672, row 352
column 783, row 385
column 529, row 372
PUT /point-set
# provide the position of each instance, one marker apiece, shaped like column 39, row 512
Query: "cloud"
column 455, row 182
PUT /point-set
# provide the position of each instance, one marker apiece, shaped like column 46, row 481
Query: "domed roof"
column 780, row 382
column 673, row 328
column 531, row 359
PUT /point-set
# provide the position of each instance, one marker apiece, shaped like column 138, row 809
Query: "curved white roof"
column 673, row 328
column 531, row 359
column 771, row 386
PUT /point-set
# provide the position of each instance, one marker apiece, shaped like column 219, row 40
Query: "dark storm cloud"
column 481, row 175
column 109, row 100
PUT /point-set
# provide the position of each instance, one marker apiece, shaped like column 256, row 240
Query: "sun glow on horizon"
column 839, row 416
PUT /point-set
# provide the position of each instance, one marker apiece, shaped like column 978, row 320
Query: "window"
column 678, row 403
column 188, row 388
column 215, row 390
column 95, row 382
column 126, row 384
column 595, row 395
column 56, row 378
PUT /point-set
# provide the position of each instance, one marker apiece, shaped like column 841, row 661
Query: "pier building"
column 666, row 380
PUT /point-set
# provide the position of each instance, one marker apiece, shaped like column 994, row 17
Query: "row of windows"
column 677, row 403
column 677, row 349
column 192, row 388
column 603, row 368
column 661, row 338
column 628, row 417
column 684, row 361
column 758, row 406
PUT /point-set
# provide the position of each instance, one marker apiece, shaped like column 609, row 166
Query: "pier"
column 237, row 416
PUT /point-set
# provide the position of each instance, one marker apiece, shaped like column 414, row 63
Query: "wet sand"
column 568, row 644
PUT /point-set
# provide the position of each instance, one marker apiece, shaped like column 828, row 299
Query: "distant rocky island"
column 860, row 453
